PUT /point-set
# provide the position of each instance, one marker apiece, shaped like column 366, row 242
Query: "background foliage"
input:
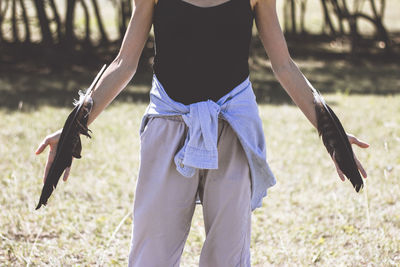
column 64, row 31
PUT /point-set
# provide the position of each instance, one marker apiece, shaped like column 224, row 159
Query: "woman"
column 201, row 136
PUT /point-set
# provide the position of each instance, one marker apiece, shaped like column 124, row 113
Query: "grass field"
column 309, row 218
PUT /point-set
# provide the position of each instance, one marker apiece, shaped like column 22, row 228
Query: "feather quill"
column 69, row 144
column 336, row 141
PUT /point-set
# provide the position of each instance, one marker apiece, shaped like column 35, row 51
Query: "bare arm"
column 116, row 76
column 123, row 67
column 285, row 70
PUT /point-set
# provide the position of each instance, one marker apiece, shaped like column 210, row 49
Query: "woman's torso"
column 201, row 52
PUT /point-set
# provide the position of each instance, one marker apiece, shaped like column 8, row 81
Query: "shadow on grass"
column 28, row 89
column 332, row 77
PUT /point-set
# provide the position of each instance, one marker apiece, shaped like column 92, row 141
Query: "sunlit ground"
column 309, row 217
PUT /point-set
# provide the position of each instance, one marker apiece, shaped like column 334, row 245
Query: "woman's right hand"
column 52, row 141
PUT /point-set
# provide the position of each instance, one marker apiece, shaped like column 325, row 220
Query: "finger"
column 67, row 170
column 41, row 147
column 340, row 173
column 66, row 174
column 361, row 143
column 338, row 170
column 49, row 161
column 46, row 171
column 360, row 167
column 355, row 140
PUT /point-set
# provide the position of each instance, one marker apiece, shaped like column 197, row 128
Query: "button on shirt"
column 199, row 151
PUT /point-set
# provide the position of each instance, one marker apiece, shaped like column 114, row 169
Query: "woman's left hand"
column 362, row 144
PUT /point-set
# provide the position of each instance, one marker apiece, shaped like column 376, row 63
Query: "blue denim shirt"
column 239, row 108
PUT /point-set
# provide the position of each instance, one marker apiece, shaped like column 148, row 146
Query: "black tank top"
column 201, row 52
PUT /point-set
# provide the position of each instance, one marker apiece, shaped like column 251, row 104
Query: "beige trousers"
column 165, row 200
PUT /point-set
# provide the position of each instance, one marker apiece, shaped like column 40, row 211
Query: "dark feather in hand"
column 69, row 145
column 336, row 141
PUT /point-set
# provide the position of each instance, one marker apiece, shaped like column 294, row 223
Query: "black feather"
column 69, row 145
column 336, row 141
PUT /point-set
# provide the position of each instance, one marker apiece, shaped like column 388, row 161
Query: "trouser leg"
column 226, row 199
column 164, row 200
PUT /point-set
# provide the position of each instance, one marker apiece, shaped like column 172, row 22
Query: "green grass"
column 309, row 218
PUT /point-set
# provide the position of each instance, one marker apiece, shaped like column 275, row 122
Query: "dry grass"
column 309, row 218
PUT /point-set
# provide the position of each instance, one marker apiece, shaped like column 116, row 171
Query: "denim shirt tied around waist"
column 239, row 108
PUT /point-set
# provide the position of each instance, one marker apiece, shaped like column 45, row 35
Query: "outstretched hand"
column 52, row 141
column 360, row 143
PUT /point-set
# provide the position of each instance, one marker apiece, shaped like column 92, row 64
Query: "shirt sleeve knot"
column 200, row 147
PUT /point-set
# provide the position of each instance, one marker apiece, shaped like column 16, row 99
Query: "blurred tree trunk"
column 14, row 21
column 47, row 38
column 383, row 6
column 26, row 22
column 341, row 18
column 57, row 20
column 125, row 10
column 339, row 15
column 3, row 11
column 87, row 23
column 303, row 8
column 327, row 19
column 378, row 21
column 69, row 38
column 289, row 13
column 286, row 16
column 293, row 16
column 103, row 34
column 352, row 20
